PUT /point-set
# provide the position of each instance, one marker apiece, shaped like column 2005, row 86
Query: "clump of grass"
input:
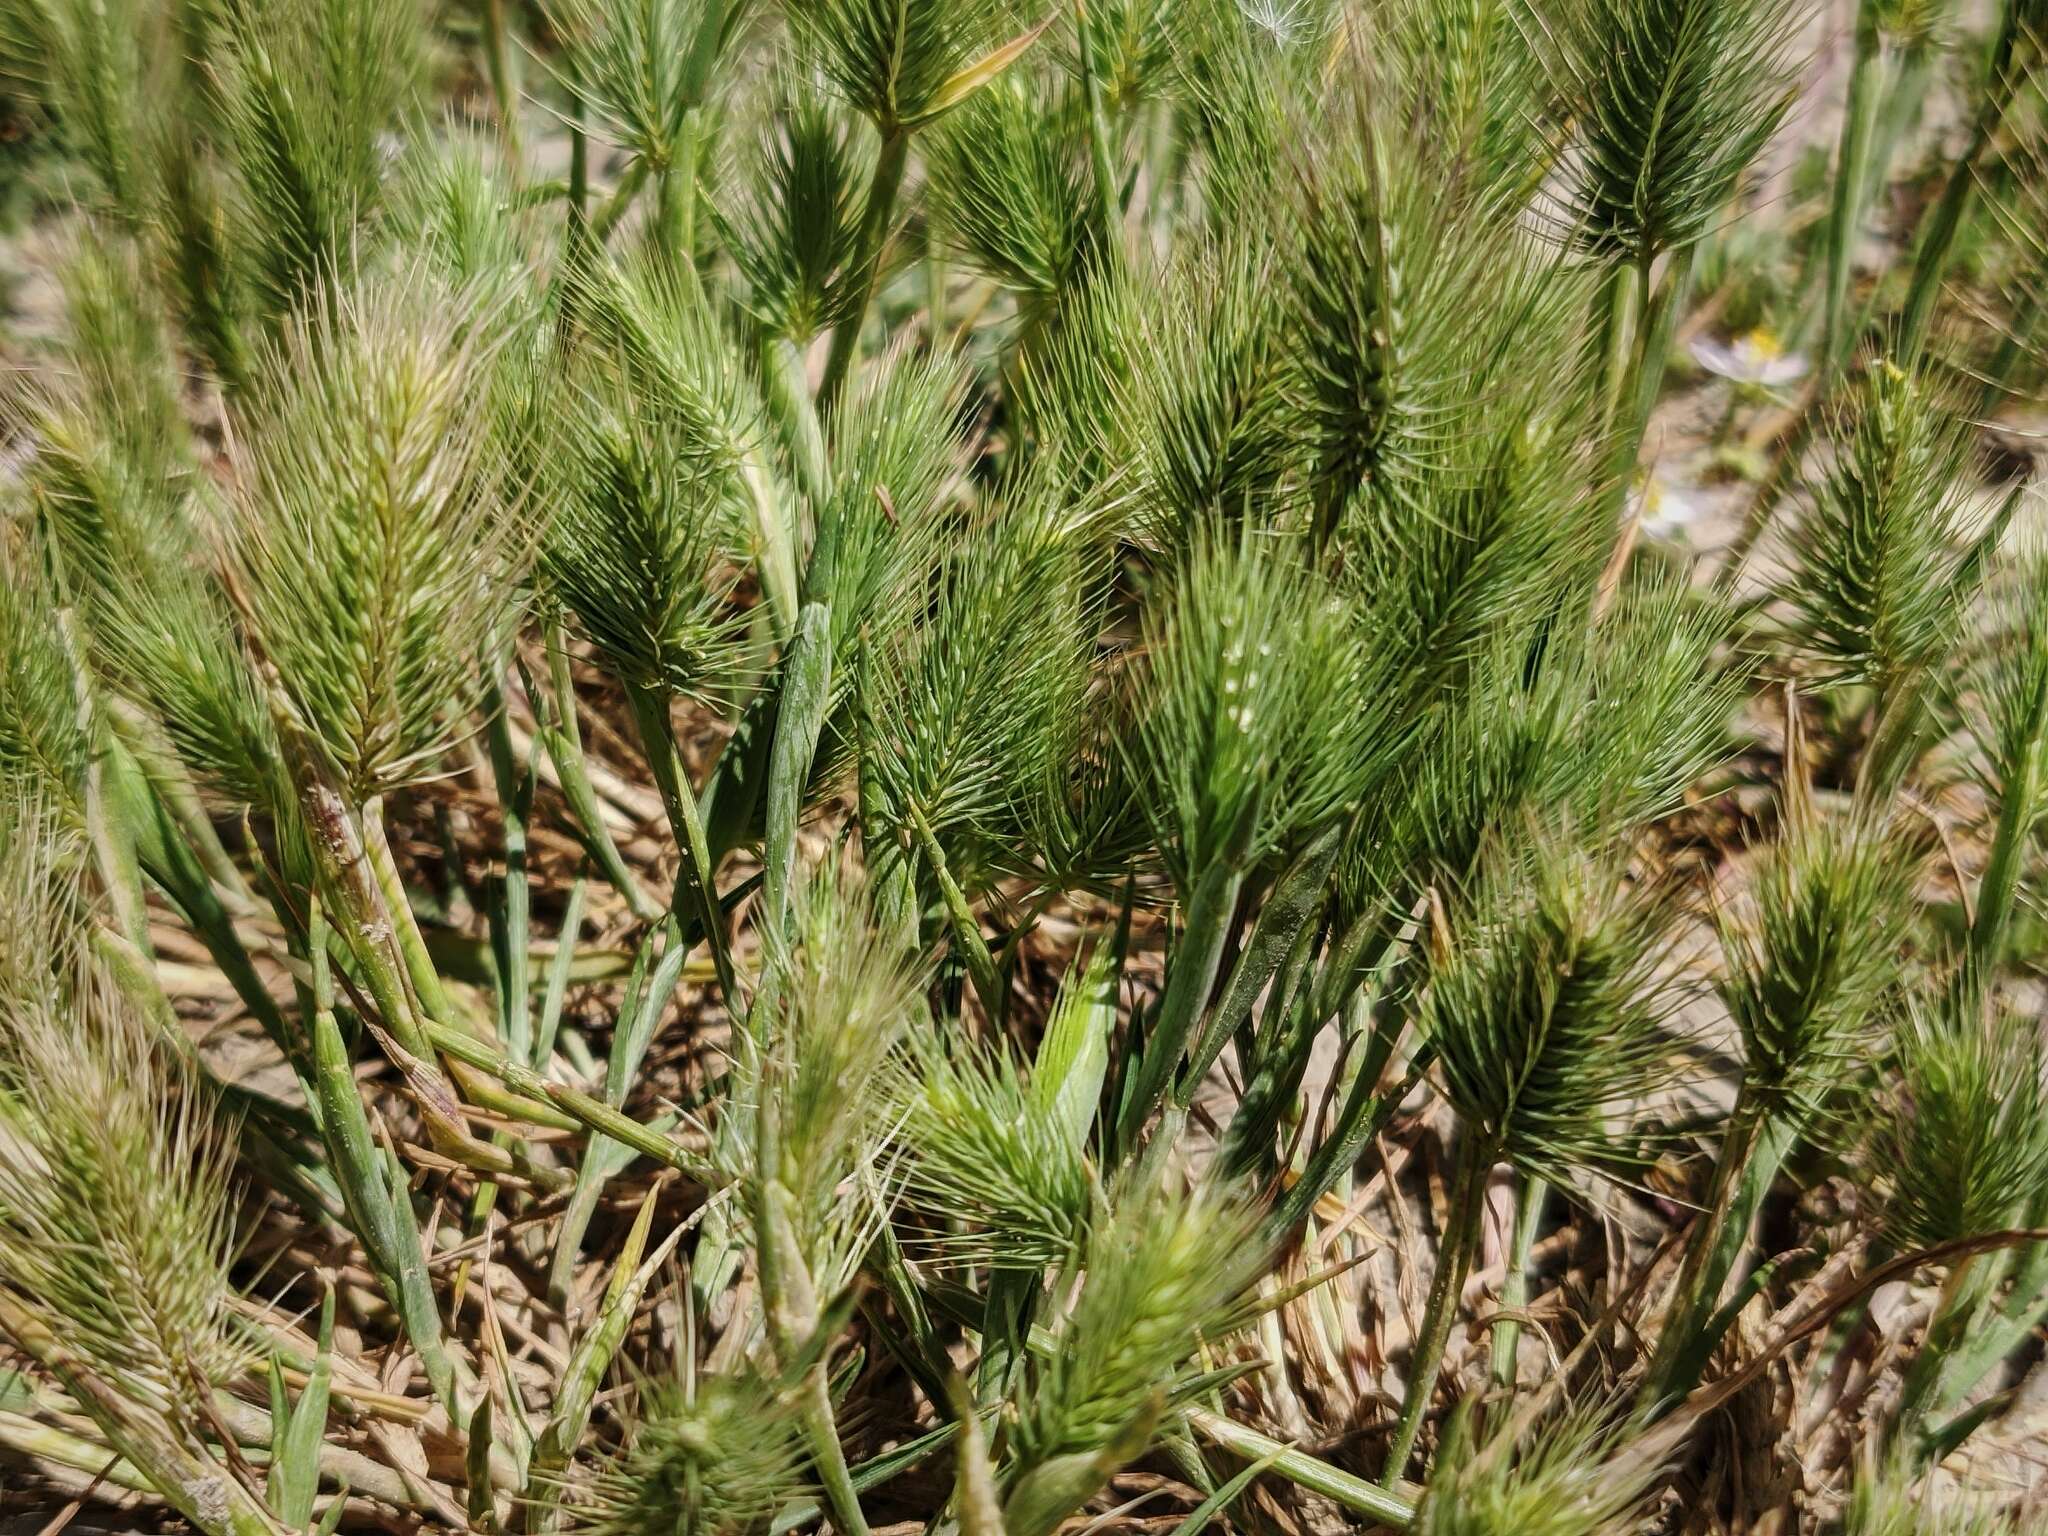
column 370, row 551
column 714, row 1456
column 927, row 761
column 1152, row 1276
column 1566, row 1481
column 118, row 1216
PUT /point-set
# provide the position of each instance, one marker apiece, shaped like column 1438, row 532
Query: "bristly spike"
column 371, row 549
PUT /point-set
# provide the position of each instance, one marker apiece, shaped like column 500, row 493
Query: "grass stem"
column 1446, row 1287
column 1514, row 1290
column 1853, row 171
column 879, row 213
column 1392, row 1504
column 657, row 739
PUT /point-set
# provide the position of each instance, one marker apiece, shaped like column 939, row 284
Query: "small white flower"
column 1755, row 357
column 1664, row 511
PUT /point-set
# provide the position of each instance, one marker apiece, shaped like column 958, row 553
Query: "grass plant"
column 895, row 764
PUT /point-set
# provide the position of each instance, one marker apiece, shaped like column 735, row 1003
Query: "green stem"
column 168, row 859
column 1294, row 899
column 935, row 279
column 1755, row 1149
column 615, row 207
column 1938, row 233
column 806, row 697
column 513, row 921
column 776, row 546
column 182, row 1473
column 657, row 738
column 874, row 238
column 579, row 153
column 498, row 62
column 1620, row 319
column 1100, row 155
column 563, row 737
column 1900, row 721
column 1365, row 1111
column 1912, row 72
column 1392, row 1504
column 171, row 785
column 1933, row 1383
column 358, row 895
column 1696, row 1291
column 835, row 1478
column 376, row 1203
column 420, row 970
column 683, row 186
column 1189, row 982
column 2018, row 811
column 112, row 841
column 1659, row 324
column 1446, row 1287
column 981, row 965
column 796, row 415
column 1514, row 1290
column 646, row 1002
column 1853, row 165
column 559, row 967
column 592, row 1114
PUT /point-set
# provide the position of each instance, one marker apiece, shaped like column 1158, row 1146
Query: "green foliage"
column 1133, row 480
column 706, row 1456
column 643, row 534
column 1476, row 756
column 1912, row 23
column 1885, row 1503
column 89, row 66
column 1477, row 80
column 1010, row 188
column 369, row 549
column 1164, row 1266
column 1256, row 709
column 1878, row 573
column 119, row 353
column 1968, row 1143
column 1132, row 47
column 312, row 92
column 900, row 63
column 453, row 210
column 1665, row 102
column 1211, row 413
column 990, row 1149
column 117, row 1216
column 45, row 743
column 635, row 69
column 1806, row 975
column 1657, row 713
column 112, row 488
column 977, row 704
column 1246, row 73
column 898, row 444
column 1071, row 384
column 1407, row 283
column 197, row 255
column 811, row 1153
column 794, row 233
column 1548, row 1012
column 1566, row 1483
column 43, row 883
